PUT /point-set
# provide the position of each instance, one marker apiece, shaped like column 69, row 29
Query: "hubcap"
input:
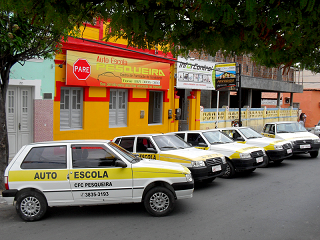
column 30, row 206
column 159, row 202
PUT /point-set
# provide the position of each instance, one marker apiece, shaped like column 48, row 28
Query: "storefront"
column 106, row 90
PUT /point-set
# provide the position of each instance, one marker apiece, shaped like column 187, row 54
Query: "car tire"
column 314, row 154
column 229, row 172
column 31, row 205
column 159, row 201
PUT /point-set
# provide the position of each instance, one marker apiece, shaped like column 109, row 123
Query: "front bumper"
column 279, row 154
column 203, row 173
column 9, row 195
column 247, row 163
column 305, row 147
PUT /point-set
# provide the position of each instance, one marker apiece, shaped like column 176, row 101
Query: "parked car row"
column 156, row 169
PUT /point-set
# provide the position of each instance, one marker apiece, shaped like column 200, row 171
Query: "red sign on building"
column 81, row 69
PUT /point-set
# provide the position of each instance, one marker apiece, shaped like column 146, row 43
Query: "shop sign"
column 225, row 74
column 88, row 69
column 195, row 74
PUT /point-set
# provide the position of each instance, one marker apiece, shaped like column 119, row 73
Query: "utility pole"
column 239, row 92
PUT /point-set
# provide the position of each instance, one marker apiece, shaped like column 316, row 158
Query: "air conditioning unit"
column 287, row 100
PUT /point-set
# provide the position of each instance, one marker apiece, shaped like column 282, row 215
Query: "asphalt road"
column 279, row 202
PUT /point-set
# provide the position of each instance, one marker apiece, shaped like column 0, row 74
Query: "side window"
column 195, row 139
column 145, row 145
column 181, row 135
column 53, row 157
column 127, row 143
column 92, row 156
column 266, row 128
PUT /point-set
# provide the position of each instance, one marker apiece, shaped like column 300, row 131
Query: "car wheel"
column 314, row 154
column 229, row 172
column 31, row 205
column 159, row 201
column 277, row 162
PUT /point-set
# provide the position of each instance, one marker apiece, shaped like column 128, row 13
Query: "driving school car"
column 239, row 157
column 204, row 166
column 276, row 150
column 89, row 172
column 302, row 140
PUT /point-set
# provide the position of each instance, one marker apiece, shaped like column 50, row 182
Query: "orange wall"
column 309, row 104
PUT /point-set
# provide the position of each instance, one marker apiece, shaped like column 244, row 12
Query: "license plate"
column 305, row 146
column 216, row 168
column 289, row 150
column 259, row 159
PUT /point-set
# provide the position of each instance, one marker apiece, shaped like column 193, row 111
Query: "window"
column 46, row 158
column 195, row 139
column 118, row 108
column 145, row 145
column 92, row 156
column 71, row 108
column 127, row 143
column 155, row 107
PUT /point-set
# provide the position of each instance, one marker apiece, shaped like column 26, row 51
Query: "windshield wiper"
column 283, row 132
column 168, row 147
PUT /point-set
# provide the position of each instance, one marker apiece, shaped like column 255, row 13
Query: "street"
column 278, row 202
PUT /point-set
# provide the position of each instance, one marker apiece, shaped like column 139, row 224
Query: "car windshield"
column 124, row 153
column 216, row 137
column 290, row 127
column 250, row 133
column 170, row 142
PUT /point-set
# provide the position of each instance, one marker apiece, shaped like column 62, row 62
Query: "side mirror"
column 240, row 139
column 151, row 150
column 202, row 145
column 120, row 163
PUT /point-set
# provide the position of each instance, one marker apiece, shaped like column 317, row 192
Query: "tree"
column 33, row 33
column 273, row 32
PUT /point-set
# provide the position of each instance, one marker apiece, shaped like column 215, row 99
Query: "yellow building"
column 103, row 90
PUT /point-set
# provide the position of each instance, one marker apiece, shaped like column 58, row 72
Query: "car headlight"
column 278, row 147
column 316, row 140
column 223, row 160
column 197, row 164
column 189, row 177
column 245, row 155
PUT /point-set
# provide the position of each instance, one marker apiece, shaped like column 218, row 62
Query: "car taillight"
column 6, row 183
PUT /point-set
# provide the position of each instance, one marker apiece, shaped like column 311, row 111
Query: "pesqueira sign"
column 118, row 72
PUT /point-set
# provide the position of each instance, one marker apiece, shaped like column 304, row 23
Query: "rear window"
column 53, row 157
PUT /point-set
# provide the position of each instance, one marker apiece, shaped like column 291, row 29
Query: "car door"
column 94, row 178
column 269, row 131
column 146, row 149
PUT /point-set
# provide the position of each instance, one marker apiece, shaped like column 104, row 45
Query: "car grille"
column 301, row 142
column 256, row 154
column 286, row 146
column 213, row 161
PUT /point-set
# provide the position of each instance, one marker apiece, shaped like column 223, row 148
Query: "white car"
column 205, row 166
column 85, row 172
column 302, row 140
column 317, row 129
column 277, row 150
column 240, row 157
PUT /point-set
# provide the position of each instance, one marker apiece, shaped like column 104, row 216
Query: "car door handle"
column 19, row 126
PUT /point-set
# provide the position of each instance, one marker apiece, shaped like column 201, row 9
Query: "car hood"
column 264, row 142
column 296, row 136
column 190, row 154
column 230, row 148
column 147, row 165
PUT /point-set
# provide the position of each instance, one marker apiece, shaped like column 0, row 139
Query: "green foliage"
column 274, row 32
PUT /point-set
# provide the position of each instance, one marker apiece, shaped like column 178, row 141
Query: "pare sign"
column 81, row 69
